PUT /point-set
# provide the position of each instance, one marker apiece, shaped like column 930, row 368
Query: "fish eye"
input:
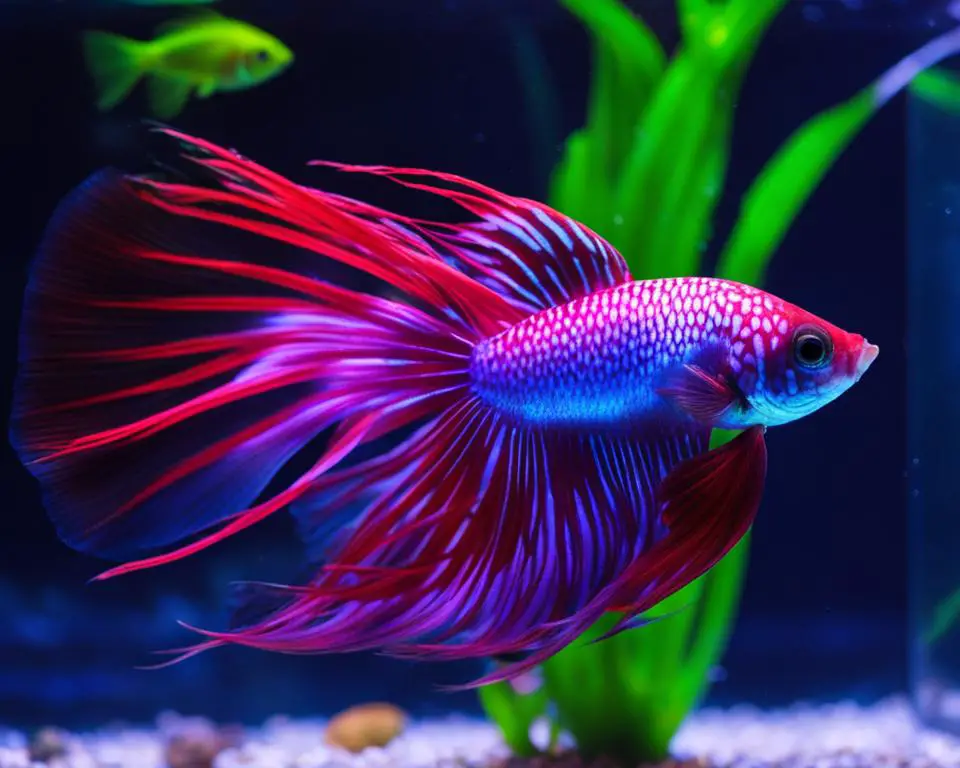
column 812, row 347
column 263, row 55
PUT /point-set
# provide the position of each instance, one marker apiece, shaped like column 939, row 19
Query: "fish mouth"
column 868, row 353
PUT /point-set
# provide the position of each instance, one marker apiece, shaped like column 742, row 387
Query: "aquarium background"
column 440, row 85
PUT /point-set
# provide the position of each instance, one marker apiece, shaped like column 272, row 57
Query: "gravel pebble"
column 48, row 744
column 365, row 727
column 836, row 736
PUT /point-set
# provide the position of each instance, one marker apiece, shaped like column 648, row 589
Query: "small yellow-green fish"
column 202, row 53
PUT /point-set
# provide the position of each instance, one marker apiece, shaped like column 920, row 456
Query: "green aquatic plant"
column 646, row 171
column 945, row 616
column 939, row 87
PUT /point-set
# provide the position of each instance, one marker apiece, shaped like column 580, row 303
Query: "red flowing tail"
column 160, row 392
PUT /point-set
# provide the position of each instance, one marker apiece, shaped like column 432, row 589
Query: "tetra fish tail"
column 115, row 63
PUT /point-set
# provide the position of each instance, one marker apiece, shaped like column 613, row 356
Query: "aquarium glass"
column 933, row 284
column 170, row 248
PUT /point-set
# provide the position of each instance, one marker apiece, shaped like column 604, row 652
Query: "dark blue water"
column 437, row 84
column 934, row 415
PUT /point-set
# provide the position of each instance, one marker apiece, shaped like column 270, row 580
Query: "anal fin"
column 707, row 502
column 168, row 96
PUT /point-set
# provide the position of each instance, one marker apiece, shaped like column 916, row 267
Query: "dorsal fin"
column 537, row 256
column 187, row 19
column 527, row 252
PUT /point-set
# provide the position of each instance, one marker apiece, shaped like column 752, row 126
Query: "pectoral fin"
column 205, row 90
column 708, row 398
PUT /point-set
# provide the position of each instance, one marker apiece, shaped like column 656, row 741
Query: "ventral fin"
column 708, row 504
column 718, row 489
column 168, row 96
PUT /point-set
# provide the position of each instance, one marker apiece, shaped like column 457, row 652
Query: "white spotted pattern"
column 596, row 359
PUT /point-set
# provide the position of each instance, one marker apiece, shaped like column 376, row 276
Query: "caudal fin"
column 160, row 391
column 115, row 63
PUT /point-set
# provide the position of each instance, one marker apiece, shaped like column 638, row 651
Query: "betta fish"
column 544, row 419
column 201, row 53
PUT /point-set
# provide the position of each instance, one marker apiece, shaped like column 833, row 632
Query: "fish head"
column 789, row 363
column 264, row 57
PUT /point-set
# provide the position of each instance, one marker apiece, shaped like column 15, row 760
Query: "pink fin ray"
column 700, row 395
column 479, row 579
column 521, row 248
column 154, row 379
column 709, row 502
column 166, row 383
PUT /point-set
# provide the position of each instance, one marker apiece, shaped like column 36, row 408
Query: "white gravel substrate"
column 835, row 736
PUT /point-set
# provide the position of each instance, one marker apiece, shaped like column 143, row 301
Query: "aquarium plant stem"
column 646, row 171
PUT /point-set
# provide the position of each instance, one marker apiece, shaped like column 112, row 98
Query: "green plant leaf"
column 945, row 616
column 940, row 87
column 781, row 189
column 514, row 713
column 676, row 237
column 602, row 701
column 783, row 186
column 692, row 15
column 573, row 177
column 628, row 61
column 673, row 175
column 637, row 54
column 720, row 593
column 744, row 24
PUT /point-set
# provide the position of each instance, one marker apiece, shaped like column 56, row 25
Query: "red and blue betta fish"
column 551, row 417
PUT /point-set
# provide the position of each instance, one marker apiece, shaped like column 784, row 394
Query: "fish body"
column 604, row 359
column 201, row 54
column 551, row 415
